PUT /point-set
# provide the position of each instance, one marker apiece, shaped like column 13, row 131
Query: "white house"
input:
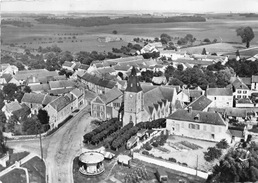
column 220, row 97
column 254, row 83
column 198, row 125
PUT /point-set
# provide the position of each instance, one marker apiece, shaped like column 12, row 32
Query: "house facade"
column 106, row 106
column 58, row 110
column 240, row 90
column 220, row 97
column 79, row 98
column 198, row 125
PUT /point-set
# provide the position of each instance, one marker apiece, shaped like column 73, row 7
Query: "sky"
column 137, row 5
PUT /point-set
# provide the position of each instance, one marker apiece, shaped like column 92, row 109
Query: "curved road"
column 60, row 148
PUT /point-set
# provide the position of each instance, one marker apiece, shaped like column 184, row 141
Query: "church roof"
column 133, row 84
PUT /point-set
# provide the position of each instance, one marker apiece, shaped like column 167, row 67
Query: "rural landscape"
column 100, row 92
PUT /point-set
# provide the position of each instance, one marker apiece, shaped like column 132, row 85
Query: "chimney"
column 189, row 109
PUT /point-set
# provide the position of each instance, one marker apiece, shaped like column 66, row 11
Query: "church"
column 143, row 102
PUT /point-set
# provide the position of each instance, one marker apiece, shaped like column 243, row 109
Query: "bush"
column 212, row 154
column 148, row 147
column 172, row 160
column 184, row 164
column 145, row 152
column 223, row 144
column 155, row 144
column 206, row 40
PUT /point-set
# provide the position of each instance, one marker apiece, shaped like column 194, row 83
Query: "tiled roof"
column 111, row 95
column 203, row 117
column 236, row 112
column 60, row 91
column 7, row 77
column 13, row 106
column 35, row 98
column 193, row 93
column 94, row 79
column 133, row 84
column 23, row 75
column 23, row 112
column 68, row 64
column 61, row 84
column 219, row 91
column 76, row 92
column 77, row 65
column 254, row 79
column 238, row 84
column 236, row 133
column 59, row 103
column 106, row 70
column 200, row 103
column 194, row 62
column 246, row 80
column 40, row 87
column 159, row 80
column 84, row 67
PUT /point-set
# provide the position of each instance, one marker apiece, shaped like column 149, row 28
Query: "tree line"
column 105, row 20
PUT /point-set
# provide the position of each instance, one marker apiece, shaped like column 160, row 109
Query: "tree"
column 206, row 40
column 246, row 34
column 212, row 154
column 31, row 126
column 20, row 66
column 43, row 117
column 114, row 32
column 27, row 89
column 204, row 51
column 10, row 89
column 223, row 144
column 2, row 118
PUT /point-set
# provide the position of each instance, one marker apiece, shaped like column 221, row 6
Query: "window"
column 214, row 98
column 244, row 96
column 131, row 119
column 244, row 92
column 101, row 108
column 94, row 107
column 239, row 91
column 116, row 104
column 197, row 127
column 238, row 96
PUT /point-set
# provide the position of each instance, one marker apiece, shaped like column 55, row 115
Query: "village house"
column 8, row 69
column 152, row 47
column 244, row 102
column 83, row 67
column 58, row 110
column 36, row 101
column 79, row 98
column 174, row 55
column 106, row 106
column 96, row 84
column 10, row 108
column 198, row 124
column 40, row 88
column 69, row 66
column 189, row 95
column 221, row 97
column 240, row 90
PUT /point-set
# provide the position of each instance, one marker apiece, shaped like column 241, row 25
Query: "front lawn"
column 37, row 170
column 14, row 176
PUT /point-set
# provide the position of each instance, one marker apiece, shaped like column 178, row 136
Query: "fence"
column 15, row 137
column 170, row 165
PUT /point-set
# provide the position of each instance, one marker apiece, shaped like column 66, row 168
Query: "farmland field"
column 222, row 29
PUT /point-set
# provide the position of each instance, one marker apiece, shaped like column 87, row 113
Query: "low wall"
column 15, row 137
column 170, row 165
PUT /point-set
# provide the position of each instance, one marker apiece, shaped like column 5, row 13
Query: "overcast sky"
column 152, row 5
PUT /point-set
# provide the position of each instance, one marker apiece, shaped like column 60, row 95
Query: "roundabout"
column 91, row 163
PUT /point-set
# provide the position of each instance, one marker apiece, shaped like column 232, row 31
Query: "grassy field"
column 37, row 170
column 222, row 30
column 14, row 176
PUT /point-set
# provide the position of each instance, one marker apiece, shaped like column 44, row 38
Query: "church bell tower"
column 133, row 100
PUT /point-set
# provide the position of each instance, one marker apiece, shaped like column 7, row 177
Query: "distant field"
column 222, row 30
column 218, row 48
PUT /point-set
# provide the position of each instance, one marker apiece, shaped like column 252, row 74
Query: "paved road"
column 60, row 148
